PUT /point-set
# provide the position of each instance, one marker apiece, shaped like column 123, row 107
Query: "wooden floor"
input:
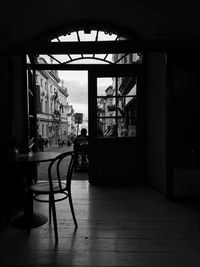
column 117, row 227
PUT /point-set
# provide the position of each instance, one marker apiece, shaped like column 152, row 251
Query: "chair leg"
column 72, row 209
column 50, row 210
column 54, row 216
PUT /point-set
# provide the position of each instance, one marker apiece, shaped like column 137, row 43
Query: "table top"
column 35, row 157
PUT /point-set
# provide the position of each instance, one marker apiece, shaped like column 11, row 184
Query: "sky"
column 77, row 86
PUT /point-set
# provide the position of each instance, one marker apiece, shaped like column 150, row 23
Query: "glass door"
column 113, row 108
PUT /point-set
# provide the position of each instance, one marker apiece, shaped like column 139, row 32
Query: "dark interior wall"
column 6, row 125
column 157, row 120
column 12, row 120
column 6, row 102
column 185, row 109
column 20, row 104
column 185, row 128
column 13, row 95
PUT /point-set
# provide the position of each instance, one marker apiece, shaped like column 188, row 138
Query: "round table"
column 34, row 157
column 37, row 219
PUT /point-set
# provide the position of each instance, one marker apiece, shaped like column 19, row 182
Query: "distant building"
column 55, row 117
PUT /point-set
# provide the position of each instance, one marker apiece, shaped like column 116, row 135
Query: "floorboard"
column 118, row 226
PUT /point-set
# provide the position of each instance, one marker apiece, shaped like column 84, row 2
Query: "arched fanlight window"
column 87, row 35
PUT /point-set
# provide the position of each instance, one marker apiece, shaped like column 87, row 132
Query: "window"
column 47, row 130
column 90, row 35
column 51, row 107
column 116, row 107
column 42, row 130
column 46, row 106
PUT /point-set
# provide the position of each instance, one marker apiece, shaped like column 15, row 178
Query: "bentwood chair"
column 58, row 186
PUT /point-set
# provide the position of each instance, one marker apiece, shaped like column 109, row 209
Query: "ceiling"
column 25, row 19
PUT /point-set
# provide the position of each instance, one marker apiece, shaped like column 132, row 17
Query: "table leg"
column 29, row 219
column 38, row 219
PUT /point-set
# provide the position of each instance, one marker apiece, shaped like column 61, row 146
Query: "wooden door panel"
column 113, row 158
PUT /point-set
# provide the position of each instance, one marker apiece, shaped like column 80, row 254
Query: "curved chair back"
column 61, row 168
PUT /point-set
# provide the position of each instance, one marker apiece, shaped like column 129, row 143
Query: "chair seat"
column 44, row 188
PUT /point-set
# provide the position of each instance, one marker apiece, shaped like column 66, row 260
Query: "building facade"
column 55, row 117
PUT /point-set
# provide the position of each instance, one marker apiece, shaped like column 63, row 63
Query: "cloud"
column 78, row 92
column 78, row 96
column 77, row 86
column 81, row 108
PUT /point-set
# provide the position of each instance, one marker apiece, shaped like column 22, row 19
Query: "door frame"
column 137, row 142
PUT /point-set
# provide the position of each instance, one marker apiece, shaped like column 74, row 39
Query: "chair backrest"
column 61, row 168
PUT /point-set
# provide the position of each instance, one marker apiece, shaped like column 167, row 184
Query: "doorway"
column 114, row 100
column 61, row 96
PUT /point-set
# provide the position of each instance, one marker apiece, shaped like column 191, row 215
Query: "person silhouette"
column 81, row 148
column 40, row 143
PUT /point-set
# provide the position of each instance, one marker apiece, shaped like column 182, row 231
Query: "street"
column 43, row 167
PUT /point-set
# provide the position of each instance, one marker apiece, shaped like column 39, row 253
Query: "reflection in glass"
column 116, row 106
column 106, row 127
column 126, row 58
column 126, row 106
column 106, row 106
column 105, row 87
column 125, row 128
column 131, row 130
